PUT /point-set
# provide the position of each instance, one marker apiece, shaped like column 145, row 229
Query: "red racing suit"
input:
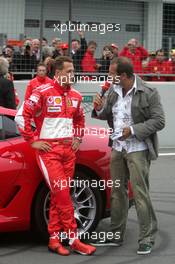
column 155, row 66
column 36, row 82
column 56, row 112
column 88, row 62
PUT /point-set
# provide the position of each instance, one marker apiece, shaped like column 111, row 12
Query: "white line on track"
column 167, row 154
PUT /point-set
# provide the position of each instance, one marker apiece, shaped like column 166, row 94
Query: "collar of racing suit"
column 61, row 89
column 41, row 79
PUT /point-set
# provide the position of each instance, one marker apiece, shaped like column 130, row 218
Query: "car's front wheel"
column 87, row 201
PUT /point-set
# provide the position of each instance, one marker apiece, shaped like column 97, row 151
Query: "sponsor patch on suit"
column 74, row 103
column 54, row 101
column 34, row 98
column 54, row 109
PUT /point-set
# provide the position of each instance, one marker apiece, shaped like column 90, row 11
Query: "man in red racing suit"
column 40, row 79
column 59, row 121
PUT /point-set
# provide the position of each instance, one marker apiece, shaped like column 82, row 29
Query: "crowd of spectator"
column 145, row 63
column 151, row 66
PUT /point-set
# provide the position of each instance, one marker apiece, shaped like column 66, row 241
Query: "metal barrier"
column 88, row 91
column 50, row 28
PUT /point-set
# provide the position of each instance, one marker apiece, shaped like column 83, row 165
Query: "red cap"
column 64, row 46
column 114, row 46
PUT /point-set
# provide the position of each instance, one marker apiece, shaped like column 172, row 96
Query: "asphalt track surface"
column 21, row 248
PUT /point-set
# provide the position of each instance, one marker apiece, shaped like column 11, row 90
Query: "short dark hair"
column 124, row 65
column 107, row 47
column 44, row 39
column 41, row 64
column 76, row 40
column 91, row 42
column 159, row 50
column 59, row 62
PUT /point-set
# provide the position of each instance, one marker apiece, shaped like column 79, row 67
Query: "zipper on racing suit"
column 65, row 101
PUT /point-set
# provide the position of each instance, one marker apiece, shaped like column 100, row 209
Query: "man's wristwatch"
column 79, row 139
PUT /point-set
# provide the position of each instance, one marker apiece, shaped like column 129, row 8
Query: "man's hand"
column 81, row 34
column 98, row 102
column 126, row 133
column 75, row 144
column 97, row 66
column 41, row 145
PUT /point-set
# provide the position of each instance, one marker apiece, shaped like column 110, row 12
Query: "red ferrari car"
column 24, row 197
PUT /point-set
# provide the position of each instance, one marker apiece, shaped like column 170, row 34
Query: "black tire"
column 39, row 223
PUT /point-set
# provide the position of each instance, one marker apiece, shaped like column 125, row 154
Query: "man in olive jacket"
column 134, row 111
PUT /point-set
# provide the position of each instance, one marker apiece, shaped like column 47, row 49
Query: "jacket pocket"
column 144, row 112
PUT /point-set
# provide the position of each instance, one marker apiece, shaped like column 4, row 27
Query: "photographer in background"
column 107, row 56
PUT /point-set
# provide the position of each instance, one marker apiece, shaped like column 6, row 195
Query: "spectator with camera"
column 107, row 56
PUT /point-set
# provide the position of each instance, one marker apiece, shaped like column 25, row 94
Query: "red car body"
column 21, row 179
